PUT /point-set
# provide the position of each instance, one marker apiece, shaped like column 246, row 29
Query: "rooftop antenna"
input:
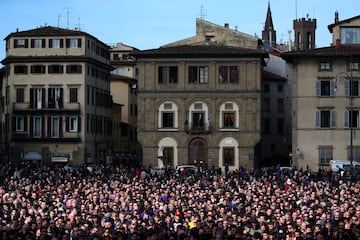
column 67, row 17
column 58, row 20
column 78, row 25
column 202, row 13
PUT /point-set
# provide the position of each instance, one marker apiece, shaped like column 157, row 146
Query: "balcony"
column 66, row 137
column 197, row 129
column 67, row 107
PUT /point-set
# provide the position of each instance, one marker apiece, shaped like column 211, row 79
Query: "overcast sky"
column 146, row 24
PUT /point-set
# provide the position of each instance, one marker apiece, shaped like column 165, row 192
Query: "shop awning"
column 34, row 156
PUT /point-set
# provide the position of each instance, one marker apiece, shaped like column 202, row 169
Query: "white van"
column 336, row 165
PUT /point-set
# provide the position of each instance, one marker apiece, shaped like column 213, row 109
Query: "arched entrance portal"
column 198, row 153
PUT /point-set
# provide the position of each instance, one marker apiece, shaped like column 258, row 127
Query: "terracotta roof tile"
column 211, row 50
column 333, row 51
column 46, row 31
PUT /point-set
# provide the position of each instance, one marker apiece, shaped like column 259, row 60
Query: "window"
column 20, row 124
column 167, row 115
column 37, row 98
column 229, row 115
column 37, row 127
column 325, row 119
column 73, row 95
column 266, row 125
column 326, row 154
column 55, row 69
column 198, row 120
column 73, row 69
column 37, row 43
column 354, row 66
column 56, row 43
column 351, row 118
column 352, row 88
column 116, row 56
column 55, row 98
column 20, row 69
column 228, row 156
column 198, row 74
column 20, row 92
column 267, row 105
column 167, row 74
column 266, row 88
column 21, row 43
column 228, row 74
column 73, row 43
column 37, row 69
column 280, row 105
column 229, row 119
column 325, row 88
column 350, row 35
column 168, row 156
column 167, row 119
column 325, row 66
column 54, row 126
column 280, row 126
column 72, row 124
column 280, row 88
column 356, row 153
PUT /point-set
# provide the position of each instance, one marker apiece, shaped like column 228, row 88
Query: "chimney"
column 226, row 25
column 338, row 43
column 336, row 17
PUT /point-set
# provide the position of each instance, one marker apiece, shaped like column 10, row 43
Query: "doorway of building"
column 198, row 153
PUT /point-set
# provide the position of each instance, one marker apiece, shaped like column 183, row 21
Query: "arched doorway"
column 198, row 153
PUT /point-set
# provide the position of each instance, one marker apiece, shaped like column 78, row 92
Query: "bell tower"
column 304, row 30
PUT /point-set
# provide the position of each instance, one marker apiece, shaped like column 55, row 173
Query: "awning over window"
column 60, row 157
column 35, row 156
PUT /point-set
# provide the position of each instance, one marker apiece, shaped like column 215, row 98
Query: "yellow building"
column 123, row 85
column 199, row 104
column 325, row 98
column 57, row 103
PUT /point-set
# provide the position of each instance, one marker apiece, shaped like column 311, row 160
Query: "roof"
column 348, row 20
column 199, row 51
column 342, row 50
column 49, row 31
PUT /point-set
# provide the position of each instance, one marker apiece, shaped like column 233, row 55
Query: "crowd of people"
column 97, row 202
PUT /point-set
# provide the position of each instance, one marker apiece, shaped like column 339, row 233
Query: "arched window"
column 168, row 116
column 229, row 116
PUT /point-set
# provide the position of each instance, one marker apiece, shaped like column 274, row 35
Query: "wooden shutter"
column 43, row 98
column 49, row 127
column 60, row 128
column 25, row 123
column 67, row 124
column 79, row 124
column 31, row 127
column 42, row 127
column 43, row 43
column 317, row 121
column 318, row 88
column 50, row 43
column 31, row 98
column 333, row 119
column 79, row 43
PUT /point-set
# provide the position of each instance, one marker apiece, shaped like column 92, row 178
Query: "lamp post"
column 342, row 78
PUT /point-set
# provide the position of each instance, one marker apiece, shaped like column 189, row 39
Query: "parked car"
column 190, row 169
column 336, row 165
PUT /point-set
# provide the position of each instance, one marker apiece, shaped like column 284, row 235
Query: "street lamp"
column 343, row 78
